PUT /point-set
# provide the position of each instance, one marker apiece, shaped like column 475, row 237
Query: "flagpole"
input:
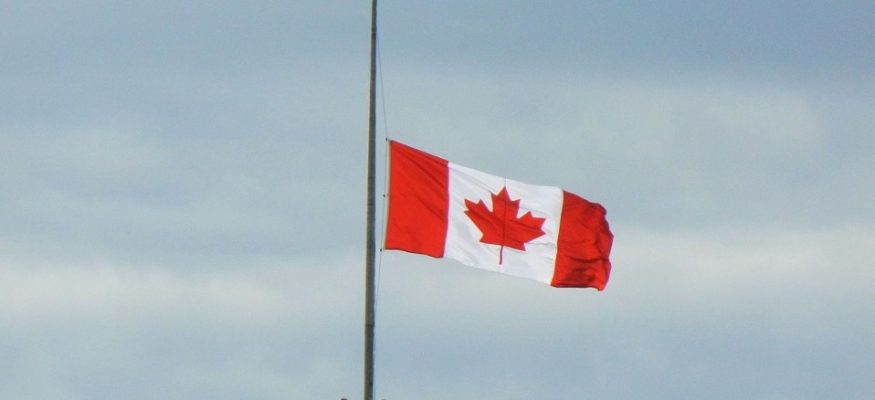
column 370, row 237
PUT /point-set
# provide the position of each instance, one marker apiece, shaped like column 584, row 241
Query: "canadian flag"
column 441, row 209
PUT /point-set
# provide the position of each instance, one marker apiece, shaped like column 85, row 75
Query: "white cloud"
column 682, row 307
column 278, row 329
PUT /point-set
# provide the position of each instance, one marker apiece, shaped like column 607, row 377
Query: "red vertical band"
column 418, row 201
column 584, row 245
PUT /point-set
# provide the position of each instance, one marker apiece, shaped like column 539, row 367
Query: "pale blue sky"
column 182, row 203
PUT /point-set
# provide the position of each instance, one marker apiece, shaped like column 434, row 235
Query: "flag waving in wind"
column 441, row 209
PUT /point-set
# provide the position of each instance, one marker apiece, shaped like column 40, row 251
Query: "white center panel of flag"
column 463, row 241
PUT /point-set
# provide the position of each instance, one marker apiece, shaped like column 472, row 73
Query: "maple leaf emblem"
column 501, row 226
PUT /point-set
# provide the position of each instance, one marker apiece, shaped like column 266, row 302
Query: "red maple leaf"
column 501, row 226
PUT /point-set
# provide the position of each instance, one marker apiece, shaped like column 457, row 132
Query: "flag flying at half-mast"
column 442, row 209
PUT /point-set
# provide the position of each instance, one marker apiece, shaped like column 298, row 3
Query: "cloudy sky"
column 182, row 193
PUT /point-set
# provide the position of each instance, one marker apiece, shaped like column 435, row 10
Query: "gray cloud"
column 702, row 152
column 762, row 38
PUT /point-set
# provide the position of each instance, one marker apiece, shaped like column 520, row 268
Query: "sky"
column 182, row 198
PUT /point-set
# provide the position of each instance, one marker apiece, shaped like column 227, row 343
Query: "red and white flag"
column 441, row 209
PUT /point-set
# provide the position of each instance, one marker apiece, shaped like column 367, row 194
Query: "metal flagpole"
column 370, row 239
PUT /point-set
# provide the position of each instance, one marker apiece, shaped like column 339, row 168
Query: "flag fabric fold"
column 444, row 210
